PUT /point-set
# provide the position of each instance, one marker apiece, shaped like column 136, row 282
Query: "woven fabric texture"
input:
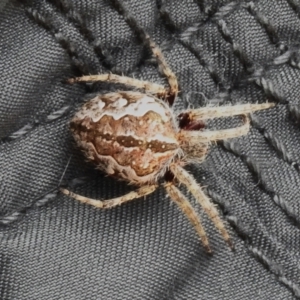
column 53, row 247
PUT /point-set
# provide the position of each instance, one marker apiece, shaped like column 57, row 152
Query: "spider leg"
column 163, row 66
column 113, row 78
column 161, row 91
column 217, row 135
column 225, row 111
column 189, row 211
column 227, row 133
column 188, row 180
column 142, row 191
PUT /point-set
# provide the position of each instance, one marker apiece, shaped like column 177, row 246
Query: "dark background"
column 53, row 247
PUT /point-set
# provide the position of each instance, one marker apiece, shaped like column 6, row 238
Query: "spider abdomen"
column 128, row 135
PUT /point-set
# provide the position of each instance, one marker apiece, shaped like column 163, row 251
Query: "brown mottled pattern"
column 131, row 148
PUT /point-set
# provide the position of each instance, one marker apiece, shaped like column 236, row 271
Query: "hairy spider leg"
column 209, row 136
column 188, row 180
column 163, row 66
column 198, row 137
column 146, row 85
column 142, row 191
column 225, row 111
column 169, row 93
column 189, row 211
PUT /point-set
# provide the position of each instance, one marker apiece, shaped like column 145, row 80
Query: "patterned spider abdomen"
column 128, row 135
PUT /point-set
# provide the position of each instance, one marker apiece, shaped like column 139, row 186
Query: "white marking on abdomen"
column 162, row 138
column 117, row 109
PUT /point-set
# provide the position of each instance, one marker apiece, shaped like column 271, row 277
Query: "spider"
column 135, row 136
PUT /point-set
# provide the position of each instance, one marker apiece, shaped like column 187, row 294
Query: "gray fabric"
column 53, row 247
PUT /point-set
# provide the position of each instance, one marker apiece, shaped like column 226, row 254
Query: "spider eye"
column 186, row 123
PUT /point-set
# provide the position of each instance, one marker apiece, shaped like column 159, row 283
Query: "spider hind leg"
column 142, row 191
column 113, row 78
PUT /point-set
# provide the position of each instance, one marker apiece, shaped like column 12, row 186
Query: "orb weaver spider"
column 135, row 136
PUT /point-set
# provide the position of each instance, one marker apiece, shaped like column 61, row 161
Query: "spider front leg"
column 189, row 211
column 188, row 180
column 225, row 111
column 205, row 137
column 142, row 191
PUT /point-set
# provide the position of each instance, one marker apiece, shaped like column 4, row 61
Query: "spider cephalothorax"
column 135, row 137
